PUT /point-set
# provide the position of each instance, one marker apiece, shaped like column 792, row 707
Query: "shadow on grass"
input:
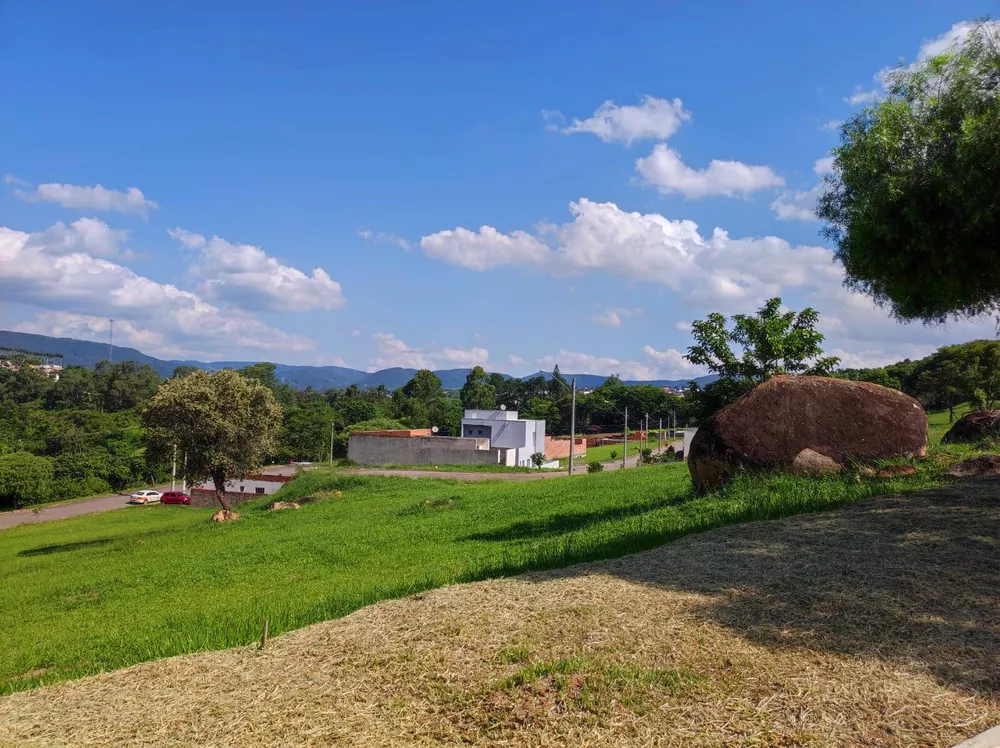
column 79, row 545
column 559, row 524
column 45, row 550
column 913, row 580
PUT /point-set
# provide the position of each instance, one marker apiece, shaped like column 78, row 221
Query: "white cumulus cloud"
column 613, row 317
column 246, row 276
column 83, row 235
column 39, row 270
column 651, row 119
column 484, row 249
column 602, row 238
column 665, row 170
column 950, row 39
column 393, row 352
column 381, row 237
column 96, row 197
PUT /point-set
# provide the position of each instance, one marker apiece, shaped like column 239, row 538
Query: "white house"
column 520, row 437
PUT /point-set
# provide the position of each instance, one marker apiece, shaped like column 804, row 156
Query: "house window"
column 242, row 489
column 259, row 489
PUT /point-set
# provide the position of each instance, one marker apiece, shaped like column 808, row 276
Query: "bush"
column 72, row 488
column 646, row 455
column 613, row 454
column 25, row 479
column 538, row 459
column 595, row 466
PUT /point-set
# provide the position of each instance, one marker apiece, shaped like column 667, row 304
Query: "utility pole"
column 625, row 439
column 173, row 470
column 332, row 424
column 572, row 429
column 659, row 436
column 184, row 480
column 645, row 433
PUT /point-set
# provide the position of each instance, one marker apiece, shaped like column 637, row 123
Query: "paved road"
column 89, row 506
column 120, row 501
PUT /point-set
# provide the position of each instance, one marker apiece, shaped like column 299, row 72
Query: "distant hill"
column 590, row 381
column 88, row 353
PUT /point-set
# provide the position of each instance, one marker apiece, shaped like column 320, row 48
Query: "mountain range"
column 88, row 353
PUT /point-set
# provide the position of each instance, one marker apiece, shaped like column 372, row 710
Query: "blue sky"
column 437, row 184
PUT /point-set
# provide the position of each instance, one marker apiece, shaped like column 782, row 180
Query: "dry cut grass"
column 874, row 625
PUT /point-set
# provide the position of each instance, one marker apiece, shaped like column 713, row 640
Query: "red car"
column 175, row 497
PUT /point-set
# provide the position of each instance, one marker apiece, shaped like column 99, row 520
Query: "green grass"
column 444, row 468
column 108, row 590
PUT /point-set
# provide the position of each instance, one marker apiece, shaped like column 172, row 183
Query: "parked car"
column 175, row 497
column 144, row 497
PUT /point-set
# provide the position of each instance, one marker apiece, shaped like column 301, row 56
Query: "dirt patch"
column 876, row 625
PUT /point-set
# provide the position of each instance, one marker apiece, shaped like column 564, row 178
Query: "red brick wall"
column 558, row 448
column 397, row 432
column 206, row 497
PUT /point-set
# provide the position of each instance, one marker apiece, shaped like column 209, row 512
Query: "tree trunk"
column 219, row 479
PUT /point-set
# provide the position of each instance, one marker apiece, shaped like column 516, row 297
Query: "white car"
column 144, row 497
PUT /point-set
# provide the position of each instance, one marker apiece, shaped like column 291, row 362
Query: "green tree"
column 478, row 392
column 306, row 431
column 183, row 370
column 75, row 389
column 944, row 386
column 124, row 385
column 912, row 202
column 263, row 372
column 417, row 400
column 25, row 479
column 772, row 343
column 768, row 343
column 224, row 423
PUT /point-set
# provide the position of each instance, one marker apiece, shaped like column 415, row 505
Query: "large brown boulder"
column 974, row 427
column 807, row 425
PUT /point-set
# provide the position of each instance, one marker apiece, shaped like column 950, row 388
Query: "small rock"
column 896, row 471
column 283, row 505
column 812, row 463
column 224, row 515
column 976, row 466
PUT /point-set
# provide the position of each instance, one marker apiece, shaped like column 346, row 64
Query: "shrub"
column 613, row 454
column 646, row 455
column 595, row 466
column 25, row 479
column 538, row 459
column 71, row 488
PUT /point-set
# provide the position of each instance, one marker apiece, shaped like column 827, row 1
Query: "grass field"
column 104, row 591
column 603, row 453
column 444, row 468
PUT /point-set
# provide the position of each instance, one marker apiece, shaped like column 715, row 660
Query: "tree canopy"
column 771, row 342
column 912, row 201
column 224, row 423
column 767, row 343
column 478, row 392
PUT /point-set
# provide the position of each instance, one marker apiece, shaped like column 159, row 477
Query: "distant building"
column 420, row 447
column 49, row 370
column 239, row 490
column 520, row 437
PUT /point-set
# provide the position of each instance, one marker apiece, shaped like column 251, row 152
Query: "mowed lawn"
column 109, row 590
